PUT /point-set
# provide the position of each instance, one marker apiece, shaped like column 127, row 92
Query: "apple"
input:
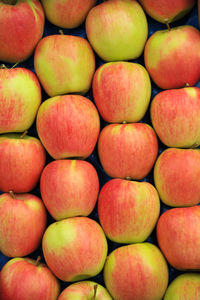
column 22, row 159
column 175, row 116
column 178, row 235
column 176, row 176
column 127, row 150
column 117, row 30
column 172, row 57
column 184, row 286
column 75, row 248
column 20, row 98
column 164, row 11
column 25, row 278
column 136, row 271
column 22, row 223
column 67, row 13
column 128, row 210
column 121, row 91
column 22, row 26
column 85, row 290
column 64, row 64
column 66, row 190
column 68, row 126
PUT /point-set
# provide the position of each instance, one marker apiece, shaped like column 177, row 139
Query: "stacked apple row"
column 74, row 247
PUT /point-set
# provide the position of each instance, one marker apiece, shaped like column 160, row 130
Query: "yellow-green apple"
column 117, row 29
column 176, row 176
column 164, row 11
column 136, row 272
column 64, row 64
column 128, row 210
column 20, row 98
column 68, row 126
column 22, row 26
column 185, row 286
column 66, row 190
column 85, row 290
column 25, row 278
column 172, row 57
column 175, row 116
column 67, row 13
column 178, row 235
column 127, row 150
column 75, row 248
column 121, row 91
column 22, row 223
column 22, row 159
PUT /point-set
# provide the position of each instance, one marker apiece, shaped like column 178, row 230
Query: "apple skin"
column 64, row 64
column 121, row 91
column 172, row 57
column 68, row 126
column 175, row 116
column 20, row 98
column 22, row 223
column 185, row 286
column 183, row 224
column 22, row 26
column 127, row 150
column 176, row 176
column 78, row 237
column 23, row 158
column 165, row 10
column 128, row 210
column 84, row 290
column 26, row 279
column 117, row 30
column 67, row 13
column 136, row 271
column 66, row 190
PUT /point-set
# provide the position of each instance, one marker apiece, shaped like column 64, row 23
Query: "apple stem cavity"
column 167, row 24
column 23, row 134
column 61, row 32
column 95, row 291
column 12, row 194
column 10, row 2
column 37, row 262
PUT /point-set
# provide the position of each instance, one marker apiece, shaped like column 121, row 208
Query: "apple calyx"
column 37, row 262
column 10, row 2
column 167, row 24
column 12, row 194
column 95, row 291
column 23, row 134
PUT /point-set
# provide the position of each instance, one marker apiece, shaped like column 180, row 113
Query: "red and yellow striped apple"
column 66, row 190
column 75, row 248
column 22, row 223
column 121, row 91
column 68, row 126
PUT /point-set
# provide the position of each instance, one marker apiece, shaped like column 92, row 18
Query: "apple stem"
column 195, row 145
column 124, row 122
column 11, row 2
column 23, row 134
column 95, row 291
column 37, row 262
column 15, row 65
column 187, row 84
column 128, row 178
column 167, row 24
column 3, row 66
column 61, row 32
column 12, row 194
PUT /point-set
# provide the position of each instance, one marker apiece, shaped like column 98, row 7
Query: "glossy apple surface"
column 69, row 188
column 22, row 223
column 121, row 91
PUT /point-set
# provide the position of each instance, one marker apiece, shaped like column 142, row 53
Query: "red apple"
column 178, row 235
column 25, row 278
column 176, row 176
column 85, row 290
column 137, row 271
column 75, row 248
column 64, row 64
column 22, row 26
column 128, row 210
column 165, row 10
column 20, row 98
column 66, row 190
column 172, row 57
column 22, row 159
column 67, row 13
column 127, row 150
column 117, row 29
column 68, row 126
column 121, row 91
column 175, row 115
column 22, row 223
